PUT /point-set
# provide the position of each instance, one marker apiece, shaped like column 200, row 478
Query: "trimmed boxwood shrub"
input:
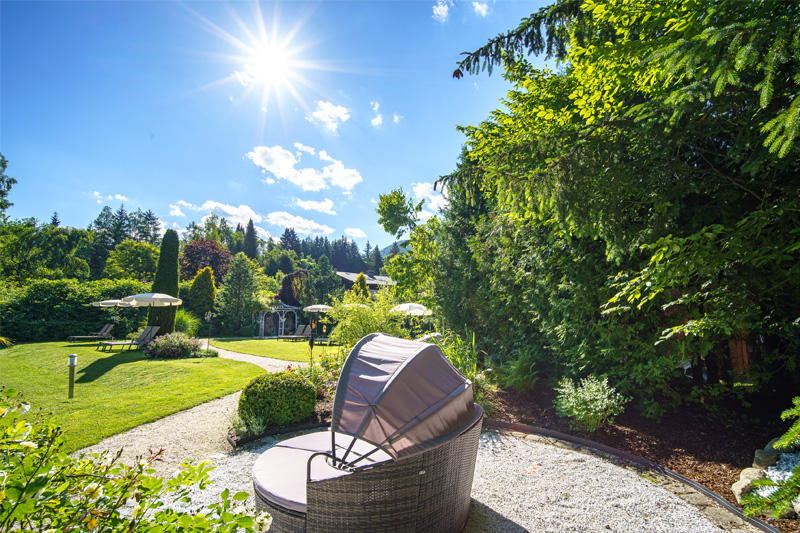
column 278, row 399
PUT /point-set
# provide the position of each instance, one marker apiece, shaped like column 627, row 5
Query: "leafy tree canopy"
column 397, row 213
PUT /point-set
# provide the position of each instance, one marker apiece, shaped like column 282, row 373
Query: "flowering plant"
column 172, row 346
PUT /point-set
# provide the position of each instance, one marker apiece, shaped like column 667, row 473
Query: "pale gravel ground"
column 520, row 485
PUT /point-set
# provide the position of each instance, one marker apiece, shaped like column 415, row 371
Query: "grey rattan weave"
column 427, row 492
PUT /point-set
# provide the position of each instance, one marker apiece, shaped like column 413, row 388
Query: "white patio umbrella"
column 412, row 309
column 318, row 308
column 111, row 303
column 152, row 299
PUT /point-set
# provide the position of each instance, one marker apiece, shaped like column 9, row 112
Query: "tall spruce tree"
column 166, row 282
column 250, row 241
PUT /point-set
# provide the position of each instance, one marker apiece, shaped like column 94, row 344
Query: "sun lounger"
column 303, row 332
column 104, row 333
column 143, row 339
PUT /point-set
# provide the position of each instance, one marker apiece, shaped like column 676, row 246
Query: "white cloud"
column 377, row 121
column 175, row 211
column 434, row 200
column 283, row 165
column 481, row 9
column 235, row 215
column 355, row 233
column 264, row 234
column 397, row 118
column 375, row 106
column 329, row 114
column 302, row 148
column 189, row 206
column 300, row 224
column 110, row 198
column 441, row 10
column 325, row 206
column 346, row 178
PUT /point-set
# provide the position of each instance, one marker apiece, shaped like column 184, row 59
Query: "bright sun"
column 270, row 66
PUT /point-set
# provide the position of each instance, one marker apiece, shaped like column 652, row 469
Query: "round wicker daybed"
column 400, row 455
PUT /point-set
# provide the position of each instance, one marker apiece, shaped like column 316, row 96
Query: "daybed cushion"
column 279, row 474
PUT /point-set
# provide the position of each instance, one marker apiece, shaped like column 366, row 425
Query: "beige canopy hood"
column 402, row 396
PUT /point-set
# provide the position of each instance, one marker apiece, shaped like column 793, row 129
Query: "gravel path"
column 522, row 483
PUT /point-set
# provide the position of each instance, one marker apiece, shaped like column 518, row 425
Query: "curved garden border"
column 532, row 430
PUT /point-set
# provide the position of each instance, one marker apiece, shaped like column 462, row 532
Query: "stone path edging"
column 690, row 496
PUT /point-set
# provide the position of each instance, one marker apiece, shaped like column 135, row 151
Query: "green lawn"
column 114, row 391
column 294, row 351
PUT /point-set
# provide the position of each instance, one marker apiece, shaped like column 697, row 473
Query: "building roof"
column 373, row 281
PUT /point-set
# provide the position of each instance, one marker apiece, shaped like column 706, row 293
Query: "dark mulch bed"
column 689, row 442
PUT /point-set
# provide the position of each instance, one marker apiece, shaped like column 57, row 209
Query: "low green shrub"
column 278, row 399
column 172, row 346
column 43, row 489
column 186, row 322
column 590, row 404
column 464, row 356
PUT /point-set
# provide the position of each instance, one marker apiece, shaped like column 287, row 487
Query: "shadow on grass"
column 100, row 366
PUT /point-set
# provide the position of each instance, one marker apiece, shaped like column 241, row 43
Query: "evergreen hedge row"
column 47, row 310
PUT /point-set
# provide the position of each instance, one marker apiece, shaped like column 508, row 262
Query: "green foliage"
column 250, row 241
column 166, row 282
column 323, row 284
column 56, row 309
column 415, row 269
column 278, row 399
column 132, row 260
column 5, row 185
column 610, row 185
column 238, row 296
column 42, row 489
column 29, row 250
column 5, row 342
column 175, row 345
column 203, row 294
column 590, row 405
column 776, row 498
column 397, row 213
column 186, row 322
column 356, row 317
column 360, row 289
column 464, row 356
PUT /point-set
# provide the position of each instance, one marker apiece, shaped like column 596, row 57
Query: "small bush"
column 591, row 404
column 278, row 399
column 172, row 346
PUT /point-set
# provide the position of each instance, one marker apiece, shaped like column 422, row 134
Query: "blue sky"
column 293, row 114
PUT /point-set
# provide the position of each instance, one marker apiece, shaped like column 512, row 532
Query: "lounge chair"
column 104, row 333
column 400, row 454
column 303, row 332
column 143, row 339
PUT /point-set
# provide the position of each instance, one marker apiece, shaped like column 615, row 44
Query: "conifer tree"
column 202, row 294
column 166, row 282
column 360, row 286
column 250, row 241
column 54, row 220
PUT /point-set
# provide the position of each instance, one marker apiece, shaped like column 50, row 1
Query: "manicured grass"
column 295, row 351
column 114, row 391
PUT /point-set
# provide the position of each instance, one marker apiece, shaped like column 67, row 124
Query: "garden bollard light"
column 73, row 360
